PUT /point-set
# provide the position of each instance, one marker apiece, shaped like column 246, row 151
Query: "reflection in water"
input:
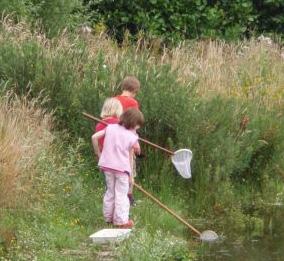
column 261, row 247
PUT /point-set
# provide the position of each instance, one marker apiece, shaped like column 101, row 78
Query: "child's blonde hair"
column 111, row 107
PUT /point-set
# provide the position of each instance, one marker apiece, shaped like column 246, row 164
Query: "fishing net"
column 181, row 160
column 208, row 236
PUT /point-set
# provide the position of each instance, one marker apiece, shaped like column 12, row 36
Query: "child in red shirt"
column 130, row 87
column 110, row 114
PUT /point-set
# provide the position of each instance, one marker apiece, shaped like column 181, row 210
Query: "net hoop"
column 181, row 160
column 209, row 236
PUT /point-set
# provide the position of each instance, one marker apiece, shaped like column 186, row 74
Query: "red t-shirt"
column 127, row 102
column 100, row 126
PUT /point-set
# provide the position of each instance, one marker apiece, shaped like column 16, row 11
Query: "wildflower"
column 266, row 40
column 84, row 30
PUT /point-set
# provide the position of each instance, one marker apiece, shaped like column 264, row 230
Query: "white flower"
column 264, row 39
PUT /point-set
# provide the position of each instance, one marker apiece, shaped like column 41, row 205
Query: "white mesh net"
column 209, row 236
column 181, row 160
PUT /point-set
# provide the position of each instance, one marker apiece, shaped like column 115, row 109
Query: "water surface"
column 264, row 245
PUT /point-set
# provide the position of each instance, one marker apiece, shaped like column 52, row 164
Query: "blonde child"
column 115, row 161
column 111, row 111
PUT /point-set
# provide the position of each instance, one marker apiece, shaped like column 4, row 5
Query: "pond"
column 263, row 246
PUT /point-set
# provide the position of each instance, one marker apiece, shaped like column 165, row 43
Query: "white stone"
column 110, row 235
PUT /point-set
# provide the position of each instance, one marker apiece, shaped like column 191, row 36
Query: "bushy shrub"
column 176, row 20
column 172, row 21
column 55, row 15
column 51, row 16
column 16, row 8
column 270, row 15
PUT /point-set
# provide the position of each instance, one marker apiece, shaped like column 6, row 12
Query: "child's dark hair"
column 131, row 84
column 131, row 118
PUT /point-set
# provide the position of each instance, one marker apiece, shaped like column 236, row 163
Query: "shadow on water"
column 264, row 246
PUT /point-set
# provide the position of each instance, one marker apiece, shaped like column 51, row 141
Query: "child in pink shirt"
column 116, row 162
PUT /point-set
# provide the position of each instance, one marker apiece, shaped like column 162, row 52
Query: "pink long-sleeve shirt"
column 118, row 143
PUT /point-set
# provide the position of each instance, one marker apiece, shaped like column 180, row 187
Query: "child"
column 115, row 161
column 110, row 114
column 130, row 87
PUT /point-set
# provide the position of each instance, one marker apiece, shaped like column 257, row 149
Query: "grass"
column 66, row 209
column 25, row 132
column 156, row 246
column 224, row 101
column 63, row 212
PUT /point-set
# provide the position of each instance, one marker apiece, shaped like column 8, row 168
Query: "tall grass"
column 248, row 70
column 25, row 132
column 224, row 101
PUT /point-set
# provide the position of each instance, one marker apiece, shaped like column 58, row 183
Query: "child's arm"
column 136, row 148
column 95, row 142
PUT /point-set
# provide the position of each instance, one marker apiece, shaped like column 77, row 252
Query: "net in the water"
column 208, row 236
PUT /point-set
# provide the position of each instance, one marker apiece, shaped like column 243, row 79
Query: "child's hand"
column 137, row 150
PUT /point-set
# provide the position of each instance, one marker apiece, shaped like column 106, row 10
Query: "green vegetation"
column 171, row 21
column 50, row 17
column 222, row 100
column 176, row 20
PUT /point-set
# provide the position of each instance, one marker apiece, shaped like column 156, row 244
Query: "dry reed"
column 251, row 69
column 24, row 133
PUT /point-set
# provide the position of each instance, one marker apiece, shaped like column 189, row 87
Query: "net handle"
column 91, row 117
column 167, row 209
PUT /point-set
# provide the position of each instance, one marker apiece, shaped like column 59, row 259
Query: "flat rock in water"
column 109, row 235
